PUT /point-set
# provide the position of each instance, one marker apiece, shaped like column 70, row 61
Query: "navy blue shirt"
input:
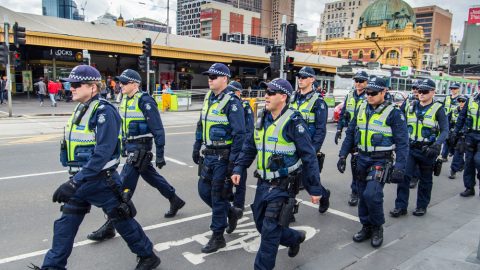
column 249, row 120
column 344, row 115
column 295, row 131
column 320, row 109
column 236, row 118
column 106, row 123
column 396, row 120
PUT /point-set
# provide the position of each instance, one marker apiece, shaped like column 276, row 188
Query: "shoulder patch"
column 148, row 107
column 234, row 107
column 101, row 118
column 300, row 129
column 101, row 106
column 322, row 105
column 402, row 117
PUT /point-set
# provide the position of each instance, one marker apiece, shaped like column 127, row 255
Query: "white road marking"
column 176, row 161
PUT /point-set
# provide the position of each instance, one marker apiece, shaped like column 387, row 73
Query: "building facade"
column 148, row 24
column 469, row 50
column 66, row 9
column 340, row 19
column 272, row 13
column 387, row 34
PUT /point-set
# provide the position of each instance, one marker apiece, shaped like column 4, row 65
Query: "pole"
column 148, row 74
column 282, row 42
column 168, row 22
column 6, row 30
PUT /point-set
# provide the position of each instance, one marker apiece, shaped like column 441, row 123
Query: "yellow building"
column 386, row 33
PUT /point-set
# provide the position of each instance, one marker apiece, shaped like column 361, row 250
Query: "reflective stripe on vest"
column 270, row 142
column 82, row 136
column 473, row 113
column 376, row 124
column 130, row 111
column 352, row 104
column 211, row 115
column 429, row 121
column 306, row 108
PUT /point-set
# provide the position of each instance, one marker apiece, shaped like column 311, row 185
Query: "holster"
column 227, row 191
column 287, row 211
column 353, row 162
column 382, row 173
column 126, row 209
column 437, row 167
column 321, row 160
column 140, row 159
column 200, row 165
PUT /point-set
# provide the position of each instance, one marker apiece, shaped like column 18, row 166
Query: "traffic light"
column 291, row 37
column 142, row 63
column 289, row 63
column 18, row 35
column 3, row 54
column 16, row 59
column 147, row 47
column 275, row 60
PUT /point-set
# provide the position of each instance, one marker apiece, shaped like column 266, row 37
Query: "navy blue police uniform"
column 428, row 130
column 377, row 132
column 91, row 150
column 350, row 106
column 221, row 129
column 458, row 160
column 272, row 193
column 450, row 104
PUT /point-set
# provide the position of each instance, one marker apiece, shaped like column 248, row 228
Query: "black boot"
column 107, row 231
column 216, row 242
column 396, row 212
column 233, row 214
column 148, row 263
column 324, row 202
column 377, row 236
column 353, row 199
column 364, row 234
column 419, row 211
column 452, row 175
column 175, row 204
column 293, row 250
column 468, row 192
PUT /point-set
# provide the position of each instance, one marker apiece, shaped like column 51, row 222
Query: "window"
column 353, row 14
column 360, row 55
column 372, row 54
column 351, row 21
column 339, row 55
column 350, row 54
column 329, row 17
column 414, row 55
column 393, row 54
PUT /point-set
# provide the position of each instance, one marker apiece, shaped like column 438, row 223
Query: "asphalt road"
column 30, row 172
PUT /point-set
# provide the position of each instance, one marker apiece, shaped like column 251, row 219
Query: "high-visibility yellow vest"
column 473, row 113
column 352, row 104
column 375, row 134
column 426, row 129
column 134, row 124
column 216, row 128
column 306, row 108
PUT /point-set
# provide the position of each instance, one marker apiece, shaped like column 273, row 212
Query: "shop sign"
column 62, row 54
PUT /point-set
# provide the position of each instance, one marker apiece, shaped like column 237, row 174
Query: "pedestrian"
column 91, row 150
column 103, row 90
column 352, row 102
column 52, row 91
column 283, row 148
column 451, row 102
column 3, row 87
column 458, row 145
column 221, row 129
column 68, row 93
column 60, row 92
column 141, row 125
column 241, row 188
column 314, row 111
column 377, row 129
column 428, row 130
column 42, row 89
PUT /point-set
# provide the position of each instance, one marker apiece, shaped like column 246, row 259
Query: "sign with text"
column 474, row 15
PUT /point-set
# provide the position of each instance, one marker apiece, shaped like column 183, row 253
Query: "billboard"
column 474, row 15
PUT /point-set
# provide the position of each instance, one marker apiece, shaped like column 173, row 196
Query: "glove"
column 453, row 138
column 397, row 176
column 230, row 167
column 338, row 136
column 65, row 191
column 432, row 151
column 342, row 164
column 160, row 162
column 196, row 156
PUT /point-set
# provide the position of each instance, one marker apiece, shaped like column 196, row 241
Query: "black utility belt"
column 377, row 154
column 140, row 140
column 216, row 151
column 281, row 182
column 419, row 145
column 102, row 175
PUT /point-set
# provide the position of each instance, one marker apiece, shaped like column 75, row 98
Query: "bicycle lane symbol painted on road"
column 246, row 237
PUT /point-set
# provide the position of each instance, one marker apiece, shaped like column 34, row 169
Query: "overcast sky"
column 307, row 12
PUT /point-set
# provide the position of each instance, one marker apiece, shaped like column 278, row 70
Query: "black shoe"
column 324, row 202
column 364, row 234
column 377, row 236
column 215, row 243
column 107, row 231
column 148, row 263
column 396, row 212
column 419, row 212
column 452, row 175
column 233, row 214
column 175, row 204
column 468, row 192
column 293, row 250
column 413, row 182
column 353, row 199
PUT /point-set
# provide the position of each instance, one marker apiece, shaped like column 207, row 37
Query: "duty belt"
column 215, row 151
column 377, row 154
column 140, row 140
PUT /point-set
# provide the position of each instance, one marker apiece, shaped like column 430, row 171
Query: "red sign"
column 474, row 15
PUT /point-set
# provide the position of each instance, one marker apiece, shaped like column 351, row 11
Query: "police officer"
column 458, row 160
column 379, row 128
column 468, row 120
column 221, row 130
column 315, row 112
column 428, row 128
column 141, row 124
column 240, row 190
column 91, row 150
column 283, row 144
column 352, row 102
column 451, row 103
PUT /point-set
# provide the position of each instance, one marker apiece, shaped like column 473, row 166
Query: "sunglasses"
column 271, row 92
column 212, row 77
column 424, row 92
column 76, row 84
column 359, row 81
column 461, row 100
column 303, row 77
column 372, row 93
column 125, row 83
